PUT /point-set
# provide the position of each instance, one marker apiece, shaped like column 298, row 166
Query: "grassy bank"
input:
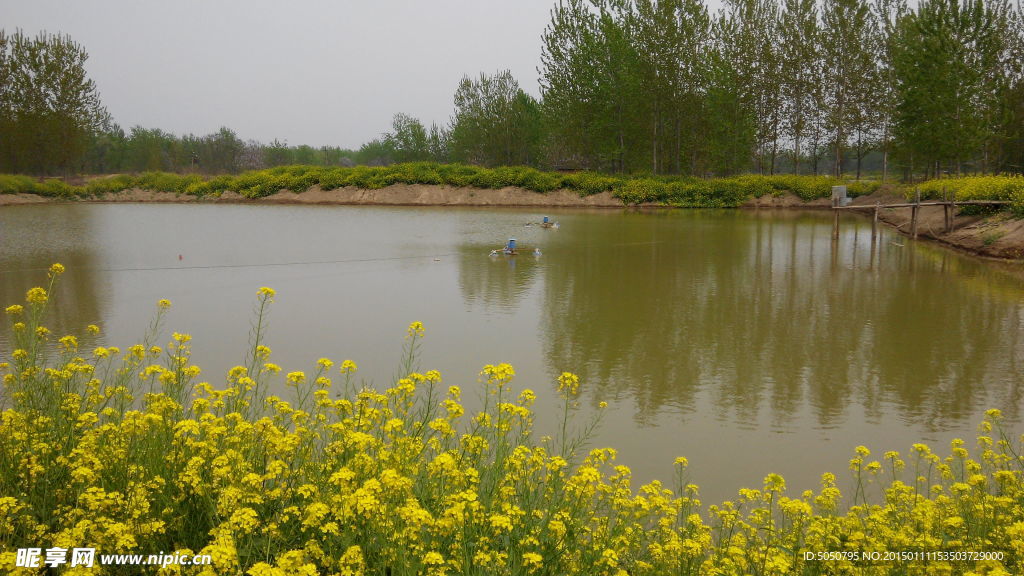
column 126, row 451
column 673, row 191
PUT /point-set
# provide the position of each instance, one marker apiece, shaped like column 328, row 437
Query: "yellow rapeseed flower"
column 527, row 396
column 265, row 292
column 36, row 295
column 264, row 569
column 532, row 560
column 774, row 483
column 163, row 304
column 501, row 522
column 352, row 560
column 14, row 309
column 568, row 382
column 415, row 329
column 500, row 373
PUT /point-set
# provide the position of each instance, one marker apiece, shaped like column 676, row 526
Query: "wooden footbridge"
column 948, row 204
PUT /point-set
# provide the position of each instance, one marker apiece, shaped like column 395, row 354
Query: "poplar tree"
column 850, row 74
column 954, row 64
column 750, row 46
column 670, row 38
column 887, row 15
column 592, row 86
column 50, row 107
column 801, row 69
column 729, row 110
column 1014, row 122
column 567, row 84
column 408, row 138
column 495, row 122
column 438, row 143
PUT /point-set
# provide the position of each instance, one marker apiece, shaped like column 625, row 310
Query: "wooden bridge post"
column 835, row 221
column 945, row 211
column 914, row 211
column 874, row 223
column 838, row 201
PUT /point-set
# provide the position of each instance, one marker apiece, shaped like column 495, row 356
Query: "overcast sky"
column 308, row 72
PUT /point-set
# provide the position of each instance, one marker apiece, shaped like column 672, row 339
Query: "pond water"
column 746, row 341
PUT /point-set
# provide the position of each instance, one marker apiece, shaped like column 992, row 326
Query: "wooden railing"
column 948, row 206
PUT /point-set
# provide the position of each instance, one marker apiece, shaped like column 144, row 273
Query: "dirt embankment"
column 995, row 236
column 396, row 195
column 14, row 199
column 992, row 236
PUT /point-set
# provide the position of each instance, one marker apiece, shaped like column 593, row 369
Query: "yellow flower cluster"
column 415, row 330
column 568, row 383
column 128, row 455
column 996, row 187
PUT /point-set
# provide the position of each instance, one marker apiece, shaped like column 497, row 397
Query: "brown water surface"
column 748, row 342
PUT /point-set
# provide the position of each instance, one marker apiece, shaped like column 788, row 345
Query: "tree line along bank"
column 629, row 86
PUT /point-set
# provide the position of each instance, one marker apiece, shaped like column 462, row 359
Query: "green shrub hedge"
column 678, row 191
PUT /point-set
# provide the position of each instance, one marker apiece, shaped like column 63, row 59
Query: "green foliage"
column 1009, row 188
column 691, row 193
column 259, row 184
column 160, row 182
column 408, row 138
column 755, row 185
column 663, row 87
column 862, row 187
column 983, row 210
column 17, row 184
column 56, row 188
column 213, row 187
column 973, row 188
column 110, row 184
column 623, row 85
column 50, row 187
column 955, row 67
column 679, row 191
column 458, row 174
column 851, row 76
column 589, row 183
column 495, row 123
column 640, row 191
column 727, row 192
column 49, row 108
